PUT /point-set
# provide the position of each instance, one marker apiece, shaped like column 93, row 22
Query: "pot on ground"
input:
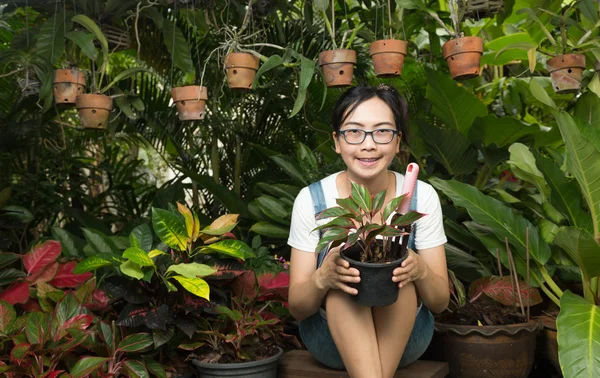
column 388, row 57
column 464, row 57
column 94, row 110
column 190, row 102
column 338, row 67
column 506, row 351
column 376, row 288
column 266, row 368
column 548, row 341
column 566, row 72
column 241, row 69
column 68, row 83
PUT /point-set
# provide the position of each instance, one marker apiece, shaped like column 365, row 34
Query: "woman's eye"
column 353, row 131
column 383, row 132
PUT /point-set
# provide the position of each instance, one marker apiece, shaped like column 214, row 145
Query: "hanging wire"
column 196, row 40
column 376, row 17
column 390, row 19
column 53, row 32
column 173, row 44
column 382, row 20
column 27, row 20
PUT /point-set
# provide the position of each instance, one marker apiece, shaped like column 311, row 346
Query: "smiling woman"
column 369, row 124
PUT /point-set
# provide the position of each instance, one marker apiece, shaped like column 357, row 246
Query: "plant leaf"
column 66, row 277
column 18, row 292
column 178, row 47
column 86, row 365
column 192, row 270
column 135, row 342
column 92, row 27
column 141, row 237
column 196, row 286
column 138, row 256
column 234, row 248
column 170, row 228
column 41, row 256
column 582, row 248
column 85, row 41
column 132, row 269
column 307, row 71
column 136, row 369
column 90, row 263
column 360, row 195
column 7, row 316
column 68, row 242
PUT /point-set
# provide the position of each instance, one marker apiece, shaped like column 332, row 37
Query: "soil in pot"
column 68, row 84
column 190, row 102
column 241, row 69
column 94, row 110
column 263, row 368
column 338, row 67
column 376, row 287
column 463, row 56
column 566, row 72
column 388, row 57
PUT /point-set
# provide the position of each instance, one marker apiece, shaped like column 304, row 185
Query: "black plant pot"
column 376, row 288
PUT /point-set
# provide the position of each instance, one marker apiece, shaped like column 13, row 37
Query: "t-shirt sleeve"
column 302, row 236
column 430, row 229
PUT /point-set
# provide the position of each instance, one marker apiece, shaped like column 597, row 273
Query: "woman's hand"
column 412, row 269
column 335, row 273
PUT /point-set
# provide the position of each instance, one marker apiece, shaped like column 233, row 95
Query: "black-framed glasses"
column 357, row 136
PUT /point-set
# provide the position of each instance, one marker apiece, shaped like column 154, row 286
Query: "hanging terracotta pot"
column 94, row 110
column 338, row 67
column 190, row 102
column 566, row 72
column 388, row 57
column 463, row 56
column 241, row 69
column 68, row 83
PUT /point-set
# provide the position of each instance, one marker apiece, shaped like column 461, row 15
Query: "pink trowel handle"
column 410, row 182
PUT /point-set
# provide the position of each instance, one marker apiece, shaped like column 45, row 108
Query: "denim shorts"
column 315, row 334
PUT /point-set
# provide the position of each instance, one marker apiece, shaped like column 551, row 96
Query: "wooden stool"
column 300, row 364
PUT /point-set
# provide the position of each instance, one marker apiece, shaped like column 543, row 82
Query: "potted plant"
column 190, row 101
column 94, row 108
column 463, row 53
column 352, row 223
column 337, row 64
column 388, row 54
column 68, row 84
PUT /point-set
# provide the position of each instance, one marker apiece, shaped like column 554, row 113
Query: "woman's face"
column 368, row 160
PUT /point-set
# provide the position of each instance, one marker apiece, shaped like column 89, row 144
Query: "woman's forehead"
column 371, row 111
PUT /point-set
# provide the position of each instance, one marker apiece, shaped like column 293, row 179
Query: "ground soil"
column 484, row 310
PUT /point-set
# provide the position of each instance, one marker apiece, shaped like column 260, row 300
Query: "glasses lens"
column 383, row 136
column 354, row 136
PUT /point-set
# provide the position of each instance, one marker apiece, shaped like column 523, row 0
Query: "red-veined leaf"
column 7, row 316
column 81, row 321
column 41, row 256
column 135, row 342
column 18, row 353
column 501, row 290
column 86, row 365
column 99, row 300
column 136, row 369
column 18, row 292
column 44, row 275
column 52, row 374
column 66, row 278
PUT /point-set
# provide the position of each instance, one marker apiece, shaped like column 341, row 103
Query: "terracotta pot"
column 68, row 83
column 338, row 67
column 94, row 110
column 190, row 102
column 566, row 72
column 388, row 57
column 489, row 351
column 241, row 69
column 463, row 56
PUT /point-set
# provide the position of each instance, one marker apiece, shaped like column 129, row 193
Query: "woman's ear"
column 398, row 142
column 336, row 140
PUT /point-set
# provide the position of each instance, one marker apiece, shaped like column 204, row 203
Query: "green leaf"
column 271, row 230
column 86, row 365
column 10, row 275
column 230, row 247
column 161, row 337
column 333, row 234
column 138, row 256
column 85, row 41
column 499, row 217
column 92, row 27
column 408, row 218
column 19, row 212
column 51, row 38
column 196, row 286
column 274, row 61
column 588, row 109
column 136, row 369
column 455, row 106
column 7, row 316
column 449, row 147
column 348, row 204
column 67, row 241
column 155, row 368
column 501, row 131
column 361, row 196
column 540, row 94
column 335, row 212
column 583, row 163
column 91, row 263
column 289, row 166
column 178, row 47
column 522, row 163
column 67, row 308
column 582, row 248
column 578, row 326
column 339, row 222
column 188, row 217
column 155, row 252
column 274, row 208
column 99, row 242
column 132, row 269
column 392, row 206
column 122, row 76
column 141, row 237
column 7, row 258
column 307, row 71
column 378, row 201
column 170, row 228
column 135, row 342
column 192, row 270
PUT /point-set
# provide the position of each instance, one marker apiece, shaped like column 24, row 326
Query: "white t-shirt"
column 430, row 228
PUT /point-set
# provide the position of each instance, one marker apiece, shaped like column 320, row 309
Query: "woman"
column 368, row 125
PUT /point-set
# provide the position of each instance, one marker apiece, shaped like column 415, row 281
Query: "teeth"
column 369, row 160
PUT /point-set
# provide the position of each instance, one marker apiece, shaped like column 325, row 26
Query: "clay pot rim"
column 80, row 79
column 382, row 46
column 511, row 329
column 450, row 51
column 203, row 91
column 349, row 55
column 242, row 56
column 573, row 64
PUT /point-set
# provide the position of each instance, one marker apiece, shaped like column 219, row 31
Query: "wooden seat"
column 300, row 364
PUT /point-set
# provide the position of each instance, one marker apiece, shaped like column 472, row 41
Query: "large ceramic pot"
column 489, row 351
column 376, row 287
column 266, row 368
column 463, row 56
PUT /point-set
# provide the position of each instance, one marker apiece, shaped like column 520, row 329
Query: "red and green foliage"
column 501, row 290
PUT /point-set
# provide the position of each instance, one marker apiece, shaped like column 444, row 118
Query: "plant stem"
column 549, row 294
column 551, row 282
column 390, row 19
column 194, row 184
column 238, row 164
column 214, row 157
column 483, row 176
column 331, row 32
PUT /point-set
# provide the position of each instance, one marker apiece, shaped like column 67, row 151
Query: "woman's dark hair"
column 355, row 96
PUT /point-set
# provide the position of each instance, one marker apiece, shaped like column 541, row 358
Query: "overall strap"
column 318, row 200
column 413, row 207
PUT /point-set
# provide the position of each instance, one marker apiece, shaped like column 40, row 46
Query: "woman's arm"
column 428, row 271
column 308, row 285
